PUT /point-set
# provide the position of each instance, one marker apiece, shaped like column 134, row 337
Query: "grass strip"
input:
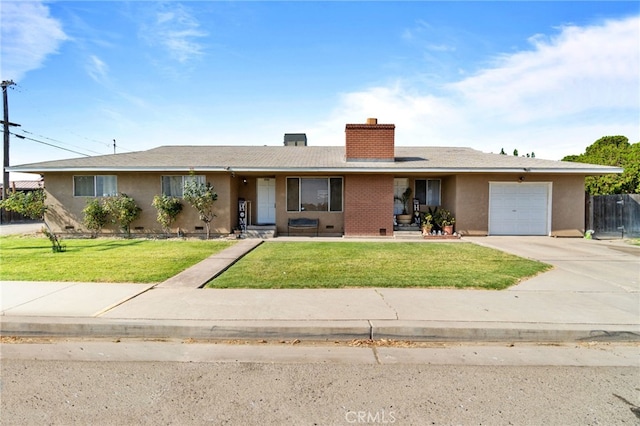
column 109, row 260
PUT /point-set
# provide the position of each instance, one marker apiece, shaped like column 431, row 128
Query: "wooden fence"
column 613, row 215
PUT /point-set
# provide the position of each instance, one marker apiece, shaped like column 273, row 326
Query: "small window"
column 95, row 186
column 293, row 194
column 428, row 191
column 173, row 186
column 335, row 191
column 314, row 194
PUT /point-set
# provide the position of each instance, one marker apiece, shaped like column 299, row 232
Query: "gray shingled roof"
column 310, row 158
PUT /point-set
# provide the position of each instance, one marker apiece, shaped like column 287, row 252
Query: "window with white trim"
column 428, row 191
column 314, row 194
column 173, row 186
column 95, row 186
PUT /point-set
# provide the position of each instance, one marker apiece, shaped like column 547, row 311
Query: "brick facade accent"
column 370, row 142
column 368, row 205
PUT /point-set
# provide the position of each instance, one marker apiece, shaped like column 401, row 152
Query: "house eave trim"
column 369, row 169
column 115, row 169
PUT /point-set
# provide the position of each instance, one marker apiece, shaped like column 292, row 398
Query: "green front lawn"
column 101, row 260
column 272, row 265
column 373, row 264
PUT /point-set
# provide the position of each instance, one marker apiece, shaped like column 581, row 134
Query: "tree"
column 515, row 153
column 168, row 210
column 612, row 151
column 202, row 197
column 95, row 217
column 123, row 211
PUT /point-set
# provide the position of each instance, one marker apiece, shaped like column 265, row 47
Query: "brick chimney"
column 370, row 141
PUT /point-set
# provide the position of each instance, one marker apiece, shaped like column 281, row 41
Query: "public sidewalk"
column 593, row 293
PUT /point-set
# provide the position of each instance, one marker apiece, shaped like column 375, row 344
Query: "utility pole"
column 6, row 124
column 114, row 146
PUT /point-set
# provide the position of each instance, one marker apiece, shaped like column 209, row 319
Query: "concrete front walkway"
column 593, row 293
column 203, row 272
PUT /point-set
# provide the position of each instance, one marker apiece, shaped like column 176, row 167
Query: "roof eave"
column 28, row 169
column 369, row 169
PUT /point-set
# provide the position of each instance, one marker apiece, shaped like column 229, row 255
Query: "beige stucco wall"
column 568, row 208
column 467, row 196
column 567, row 202
column 65, row 211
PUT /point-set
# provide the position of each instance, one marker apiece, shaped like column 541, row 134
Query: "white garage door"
column 519, row 208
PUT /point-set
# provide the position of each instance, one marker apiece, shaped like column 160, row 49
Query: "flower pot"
column 426, row 230
column 404, row 219
column 447, row 229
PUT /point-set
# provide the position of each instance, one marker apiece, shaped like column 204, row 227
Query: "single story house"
column 350, row 190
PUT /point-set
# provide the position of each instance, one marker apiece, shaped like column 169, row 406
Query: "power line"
column 64, row 143
column 107, row 144
column 34, row 107
column 49, row 144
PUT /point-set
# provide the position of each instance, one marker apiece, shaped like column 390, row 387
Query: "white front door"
column 519, row 208
column 266, row 201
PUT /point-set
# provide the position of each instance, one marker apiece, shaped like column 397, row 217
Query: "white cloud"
column 29, row 35
column 97, row 69
column 554, row 99
column 580, row 69
column 177, row 31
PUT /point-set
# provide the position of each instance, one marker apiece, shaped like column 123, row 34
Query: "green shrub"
column 123, row 210
column 30, row 204
column 96, row 216
column 202, row 197
column 168, row 210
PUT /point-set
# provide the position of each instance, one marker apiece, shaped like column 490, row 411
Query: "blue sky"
column 545, row 77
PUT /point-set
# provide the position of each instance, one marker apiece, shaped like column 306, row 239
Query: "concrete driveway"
column 20, row 228
column 581, row 265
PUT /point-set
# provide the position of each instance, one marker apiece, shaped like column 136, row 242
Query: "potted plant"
column 427, row 224
column 446, row 221
column 405, row 218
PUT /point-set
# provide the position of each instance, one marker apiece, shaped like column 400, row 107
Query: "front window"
column 428, row 191
column 314, row 194
column 95, row 186
column 173, row 186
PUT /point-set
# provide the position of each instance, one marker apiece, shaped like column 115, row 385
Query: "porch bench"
column 303, row 224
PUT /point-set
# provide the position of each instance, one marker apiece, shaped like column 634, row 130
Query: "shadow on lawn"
column 103, row 245
column 106, row 245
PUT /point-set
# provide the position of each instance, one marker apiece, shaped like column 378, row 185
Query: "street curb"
column 443, row 331
column 184, row 329
column 425, row 331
